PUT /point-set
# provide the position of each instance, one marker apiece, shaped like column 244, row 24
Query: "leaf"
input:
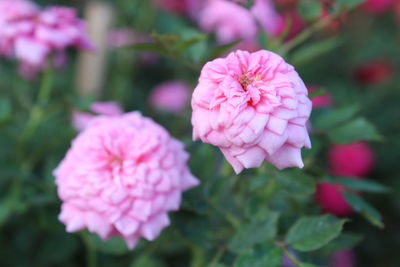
column 113, row 246
column 147, row 261
column 311, row 233
column 344, row 241
column 296, row 182
column 261, row 229
column 363, row 207
column 355, row 130
column 319, row 92
column 262, row 256
column 310, row 9
column 359, row 184
column 314, row 50
column 5, row 109
column 335, row 117
column 344, row 5
column 219, row 50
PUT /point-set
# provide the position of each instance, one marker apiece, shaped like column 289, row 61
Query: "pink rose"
column 356, row 159
column 254, row 107
column 330, row 199
column 31, row 35
column 229, row 21
column 170, row 96
column 81, row 120
column 377, row 7
column 322, row 101
column 121, row 177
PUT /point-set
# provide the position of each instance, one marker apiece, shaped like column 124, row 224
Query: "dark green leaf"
column 359, row 184
column 311, row 233
column 335, row 117
column 363, row 207
column 310, row 9
column 147, row 261
column 220, row 50
column 296, row 182
column 261, row 229
column 261, row 256
column 113, row 246
column 344, row 241
column 355, row 130
column 344, row 5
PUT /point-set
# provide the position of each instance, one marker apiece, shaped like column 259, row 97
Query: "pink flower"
column 374, row 72
column 121, row 177
column 31, row 35
column 377, row 7
column 229, row 21
column 330, row 199
column 266, row 14
column 356, row 159
column 254, row 107
column 345, row 258
column 81, row 120
column 184, row 7
column 170, row 96
column 322, row 101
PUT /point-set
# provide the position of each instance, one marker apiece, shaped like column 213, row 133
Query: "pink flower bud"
column 170, row 96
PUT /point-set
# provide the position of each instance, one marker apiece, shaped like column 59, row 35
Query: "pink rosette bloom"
column 81, row 120
column 31, row 36
column 322, row 101
column 229, row 21
column 170, row 96
column 356, row 159
column 254, row 107
column 330, row 199
column 377, row 7
column 121, row 177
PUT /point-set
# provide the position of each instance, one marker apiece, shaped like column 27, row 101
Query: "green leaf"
column 310, row 9
column 359, row 184
column 219, row 50
column 296, row 182
column 311, row 233
column 344, row 241
column 113, row 246
column 355, row 130
column 147, row 261
column 262, row 256
column 261, row 229
column 314, row 50
column 344, row 5
column 335, row 117
column 5, row 109
column 363, row 207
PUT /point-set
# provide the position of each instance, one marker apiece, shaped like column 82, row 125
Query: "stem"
column 91, row 260
column 217, row 256
column 37, row 112
column 282, row 246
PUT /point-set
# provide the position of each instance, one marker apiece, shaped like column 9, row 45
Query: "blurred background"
column 148, row 54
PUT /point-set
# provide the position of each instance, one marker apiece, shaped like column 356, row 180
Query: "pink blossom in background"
column 254, row 107
column 268, row 17
column 31, row 35
column 81, row 120
column 344, row 258
column 183, row 7
column 374, row 72
column 229, row 21
column 296, row 23
column 330, row 199
column 122, row 37
column 170, row 96
column 377, row 7
column 322, row 101
column 121, row 177
column 356, row 159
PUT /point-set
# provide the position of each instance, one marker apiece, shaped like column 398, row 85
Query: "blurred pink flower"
column 356, row 159
column 265, row 13
column 377, row 7
column 291, row 22
column 254, row 107
column 330, row 199
column 322, row 101
column 170, row 96
column 374, row 72
column 183, row 7
column 122, row 37
column 80, row 120
column 31, row 35
column 229, row 21
column 121, row 177
column 344, row 258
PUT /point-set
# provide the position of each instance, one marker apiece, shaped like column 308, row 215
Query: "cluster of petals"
column 31, row 35
column 81, row 120
column 254, row 107
column 172, row 96
column 121, row 177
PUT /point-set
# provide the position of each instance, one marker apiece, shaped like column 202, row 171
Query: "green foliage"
column 361, row 206
column 262, row 256
column 359, row 184
column 311, row 233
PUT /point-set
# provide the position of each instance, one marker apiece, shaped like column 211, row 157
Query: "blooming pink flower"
column 322, row 101
column 330, row 199
column 81, row 120
column 230, row 21
column 356, row 159
column 254, row 107
column 32, row 35
column 377, row 7
column 170, row 96
column 121, row 177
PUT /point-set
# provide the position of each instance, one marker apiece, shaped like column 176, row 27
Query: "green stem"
column 91, row 259
column 36, row 115
column 293, row 259
column 217, row 257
